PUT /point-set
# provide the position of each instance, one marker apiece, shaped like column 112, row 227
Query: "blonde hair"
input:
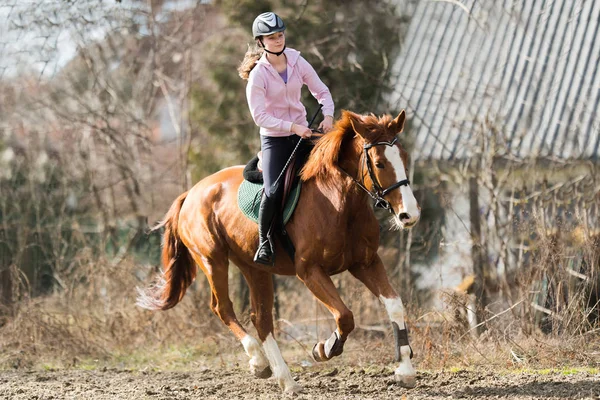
column 253, row 54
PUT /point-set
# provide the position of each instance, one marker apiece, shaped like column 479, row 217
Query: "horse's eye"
column 379, row 165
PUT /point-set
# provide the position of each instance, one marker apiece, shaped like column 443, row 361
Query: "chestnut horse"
column 333, row 228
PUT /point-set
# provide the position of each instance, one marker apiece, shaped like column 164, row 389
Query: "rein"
column 379, row 192
column 296, row 148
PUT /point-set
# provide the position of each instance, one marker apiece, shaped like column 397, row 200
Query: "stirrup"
column 265, row 259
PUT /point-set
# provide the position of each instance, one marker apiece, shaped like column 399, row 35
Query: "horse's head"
column 384, row 165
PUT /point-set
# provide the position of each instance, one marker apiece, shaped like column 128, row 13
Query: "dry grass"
column 97, row 318
column 95, row 324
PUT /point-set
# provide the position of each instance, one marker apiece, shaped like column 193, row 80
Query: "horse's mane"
column 329, row 151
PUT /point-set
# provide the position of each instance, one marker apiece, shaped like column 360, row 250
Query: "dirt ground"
column 337, row 382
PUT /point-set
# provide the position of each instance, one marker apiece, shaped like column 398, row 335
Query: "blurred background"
column 110, row 109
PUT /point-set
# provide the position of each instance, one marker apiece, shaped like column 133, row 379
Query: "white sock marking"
column 258, row 362
column 278, row 365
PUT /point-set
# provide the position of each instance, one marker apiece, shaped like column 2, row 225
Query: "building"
column 503, row 103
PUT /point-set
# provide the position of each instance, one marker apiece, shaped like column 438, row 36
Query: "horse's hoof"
column 259, row 367
column 293, row 389
column 406, row 381
column 262, row 373
column 334, row 346
column 318, row 352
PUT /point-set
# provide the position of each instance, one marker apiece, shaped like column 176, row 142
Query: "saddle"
column 250, row 191
column 249, row 194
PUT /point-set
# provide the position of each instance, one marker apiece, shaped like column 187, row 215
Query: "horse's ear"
column 355, row 121
column 397, row 125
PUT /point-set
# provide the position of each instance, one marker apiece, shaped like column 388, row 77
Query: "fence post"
column 479, row 266
column 6, row 282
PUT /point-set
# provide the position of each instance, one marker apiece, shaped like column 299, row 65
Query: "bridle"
column 378, row 192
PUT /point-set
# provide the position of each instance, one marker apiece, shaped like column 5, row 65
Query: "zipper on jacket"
column 287, row 98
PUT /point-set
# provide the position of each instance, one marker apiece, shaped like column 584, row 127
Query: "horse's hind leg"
column 261, row 297
column 216, row 271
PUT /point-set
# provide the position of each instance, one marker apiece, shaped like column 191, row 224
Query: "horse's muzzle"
column 407, row 220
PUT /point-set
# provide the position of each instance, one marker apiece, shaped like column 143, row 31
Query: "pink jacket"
column 275, row 105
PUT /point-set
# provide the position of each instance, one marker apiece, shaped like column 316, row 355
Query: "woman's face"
column 274, row 42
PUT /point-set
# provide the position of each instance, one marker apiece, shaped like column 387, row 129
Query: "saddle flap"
column 248, row 197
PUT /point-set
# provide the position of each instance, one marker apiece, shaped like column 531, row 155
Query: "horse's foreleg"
column 321, row 285
column 376, row 280
column 261, row 298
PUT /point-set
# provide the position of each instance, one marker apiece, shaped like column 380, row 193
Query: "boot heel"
column 265, row 255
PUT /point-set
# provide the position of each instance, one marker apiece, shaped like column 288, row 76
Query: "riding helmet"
column 266, row 24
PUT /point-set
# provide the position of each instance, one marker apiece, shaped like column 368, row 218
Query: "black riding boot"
column 266, row 252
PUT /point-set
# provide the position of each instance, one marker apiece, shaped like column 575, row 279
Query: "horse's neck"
column 347, row 197
column 350, row 160
column 335, row 181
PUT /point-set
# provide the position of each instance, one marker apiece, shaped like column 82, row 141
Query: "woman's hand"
column 301, row 131
column 327, row 124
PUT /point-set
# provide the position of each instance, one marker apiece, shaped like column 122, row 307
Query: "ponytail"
column 250, row 58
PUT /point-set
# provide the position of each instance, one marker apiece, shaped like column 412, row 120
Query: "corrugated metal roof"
column 529, row 68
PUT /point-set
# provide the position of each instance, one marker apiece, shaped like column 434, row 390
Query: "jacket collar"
column 291, row 55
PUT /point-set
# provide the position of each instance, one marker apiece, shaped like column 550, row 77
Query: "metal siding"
column 467, row 87
column 571, row 58
column 567, row 144
column 552, row 115
column 589, row 131
column 522, row 107
column 520, row 62
column 488, row 79
column 450, row 64
column 532, row 68
column 448, row 127
column 534, row 116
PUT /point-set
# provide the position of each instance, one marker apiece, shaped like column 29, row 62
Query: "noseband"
column 378, row 192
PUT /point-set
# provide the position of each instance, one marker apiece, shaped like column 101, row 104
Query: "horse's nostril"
column 403, row 216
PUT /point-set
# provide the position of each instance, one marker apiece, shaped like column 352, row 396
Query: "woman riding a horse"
column 275, row 77
column 334, row 227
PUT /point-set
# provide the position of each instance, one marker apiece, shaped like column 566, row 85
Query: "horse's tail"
column 179, row 266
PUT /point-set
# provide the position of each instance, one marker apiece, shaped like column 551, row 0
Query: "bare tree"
column 105, row 93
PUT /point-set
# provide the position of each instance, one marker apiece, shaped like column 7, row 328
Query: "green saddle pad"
column 249, row 200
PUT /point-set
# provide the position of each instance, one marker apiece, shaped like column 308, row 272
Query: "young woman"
column 275, row 77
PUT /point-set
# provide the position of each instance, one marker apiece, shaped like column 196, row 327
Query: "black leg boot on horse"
column 266, row 245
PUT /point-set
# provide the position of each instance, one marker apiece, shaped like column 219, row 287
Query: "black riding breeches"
column 275, row 153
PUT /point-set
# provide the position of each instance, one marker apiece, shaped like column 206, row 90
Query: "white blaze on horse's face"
column 409, row 214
